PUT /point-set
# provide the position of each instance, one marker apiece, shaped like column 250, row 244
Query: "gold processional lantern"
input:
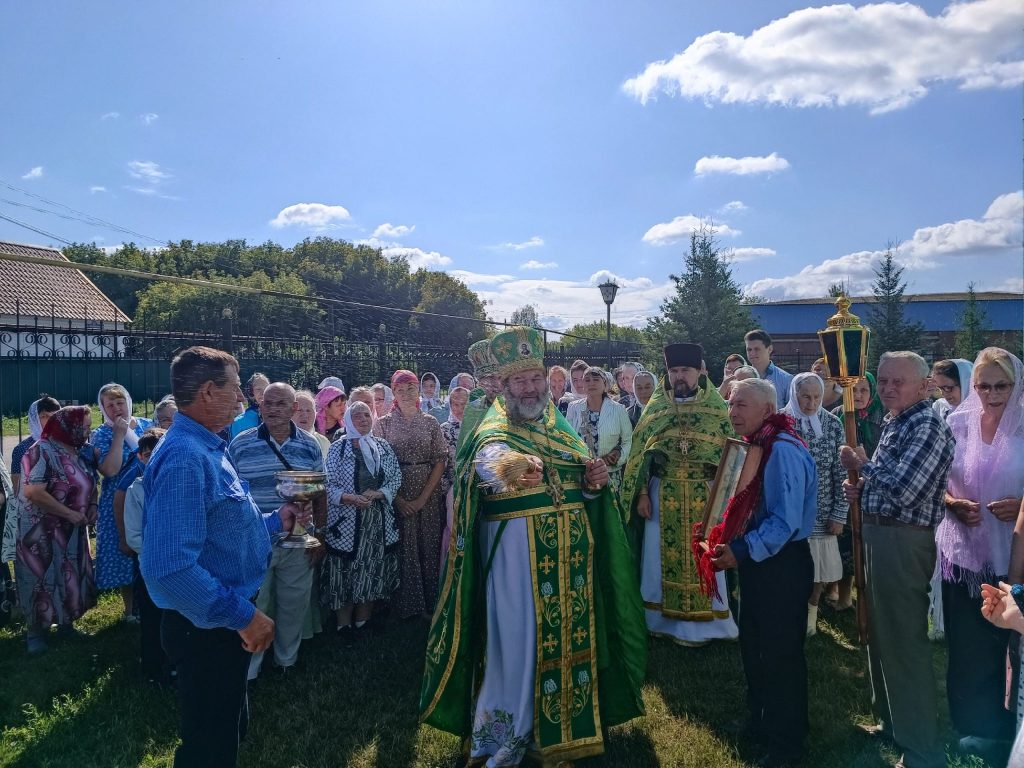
column 844, row 344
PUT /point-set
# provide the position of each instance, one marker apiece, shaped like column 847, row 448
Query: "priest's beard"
column 518, row 411
column 681, row 390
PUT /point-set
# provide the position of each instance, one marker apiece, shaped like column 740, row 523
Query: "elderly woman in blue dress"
column 363, row 478
column 113, row 443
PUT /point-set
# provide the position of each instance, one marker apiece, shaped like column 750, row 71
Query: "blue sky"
column 533, row 148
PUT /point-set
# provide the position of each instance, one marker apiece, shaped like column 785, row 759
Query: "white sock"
column 812, row 619
column 360, row 624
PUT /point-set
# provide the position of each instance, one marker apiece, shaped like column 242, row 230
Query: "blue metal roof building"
column 938, row 312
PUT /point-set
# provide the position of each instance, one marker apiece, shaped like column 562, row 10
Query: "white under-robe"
column 503, row 718
column 688, row 632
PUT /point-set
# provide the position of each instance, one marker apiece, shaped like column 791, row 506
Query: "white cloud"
column 93, row 190
column 147, row 171
column 387, row 230
column 533, row 242
column 149, row 118
column 740, row 166
column 562, row 303
column 681, row 227
column 33, row 173
column 735, row 205
column 999, row 231
column 316, row 216
column 110, row 116
column 534, row 264
column 882, row 56
column 478, row 278
column 417, row 257
column 1014, row 284
column 750, row 254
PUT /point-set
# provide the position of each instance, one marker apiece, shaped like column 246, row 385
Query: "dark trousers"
column 976, row 676
column 773, row 626
column 212, row 669
column 154, row 661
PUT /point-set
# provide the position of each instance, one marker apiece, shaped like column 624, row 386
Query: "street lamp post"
column 844, row 343
column 608, row 291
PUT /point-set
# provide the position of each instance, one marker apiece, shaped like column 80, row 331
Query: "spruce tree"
column 890, row 330
column 970, row 339
column 707, row 306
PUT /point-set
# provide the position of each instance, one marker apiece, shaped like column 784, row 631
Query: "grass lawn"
column 12, row 424
column 83, row 704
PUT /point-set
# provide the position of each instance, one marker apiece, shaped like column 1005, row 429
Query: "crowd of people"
column 546, row 520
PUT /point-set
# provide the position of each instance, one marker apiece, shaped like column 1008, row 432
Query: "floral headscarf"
column 70, row 425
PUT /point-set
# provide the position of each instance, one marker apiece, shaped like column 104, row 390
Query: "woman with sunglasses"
column 974, row 545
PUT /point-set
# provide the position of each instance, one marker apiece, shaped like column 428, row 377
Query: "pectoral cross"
column 555, row 489
column 684, row 446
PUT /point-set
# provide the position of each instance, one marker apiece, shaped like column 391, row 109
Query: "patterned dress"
column 113, row 567
column 419, row 445
column 832, row 506
column 362, row 560
column 53, row 565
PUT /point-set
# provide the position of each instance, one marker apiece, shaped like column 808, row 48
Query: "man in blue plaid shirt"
column 901, row 492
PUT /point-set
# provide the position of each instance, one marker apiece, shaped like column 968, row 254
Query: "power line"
column 35, row 229
column 95, row 220
column 249, row 290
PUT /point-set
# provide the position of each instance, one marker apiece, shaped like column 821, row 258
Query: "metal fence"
column 71, row 363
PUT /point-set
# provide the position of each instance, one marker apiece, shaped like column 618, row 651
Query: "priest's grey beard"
column 519, row 412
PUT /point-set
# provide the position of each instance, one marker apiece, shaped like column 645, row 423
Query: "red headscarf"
column 70, row 425
column 403, row 376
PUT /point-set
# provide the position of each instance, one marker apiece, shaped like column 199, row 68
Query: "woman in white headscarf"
column 113, row 444
column 383, row 399
column 363, row 477
column 38, row 414
column 823, row 434
column 953, row 378
column 430, row 392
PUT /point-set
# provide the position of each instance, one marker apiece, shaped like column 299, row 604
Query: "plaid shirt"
column 906, row 478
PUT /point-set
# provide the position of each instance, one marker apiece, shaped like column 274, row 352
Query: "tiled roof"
column 34, row 289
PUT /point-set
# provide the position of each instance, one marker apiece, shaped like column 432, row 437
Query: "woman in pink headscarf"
column 330, row 411
column 974, row 539
column 417, row 441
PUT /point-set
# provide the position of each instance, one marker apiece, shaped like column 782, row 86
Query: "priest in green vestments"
column 538, row 643
column 677, row 445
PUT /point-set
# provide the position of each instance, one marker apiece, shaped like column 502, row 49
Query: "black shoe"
column 779, row 760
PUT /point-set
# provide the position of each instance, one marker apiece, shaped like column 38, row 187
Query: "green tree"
column 525, row 315
column 596, row 330
column 441, row 293
column 177, row 307
column 970, row 339
column 707, row 306
column 890, row 330
column 835, row 290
